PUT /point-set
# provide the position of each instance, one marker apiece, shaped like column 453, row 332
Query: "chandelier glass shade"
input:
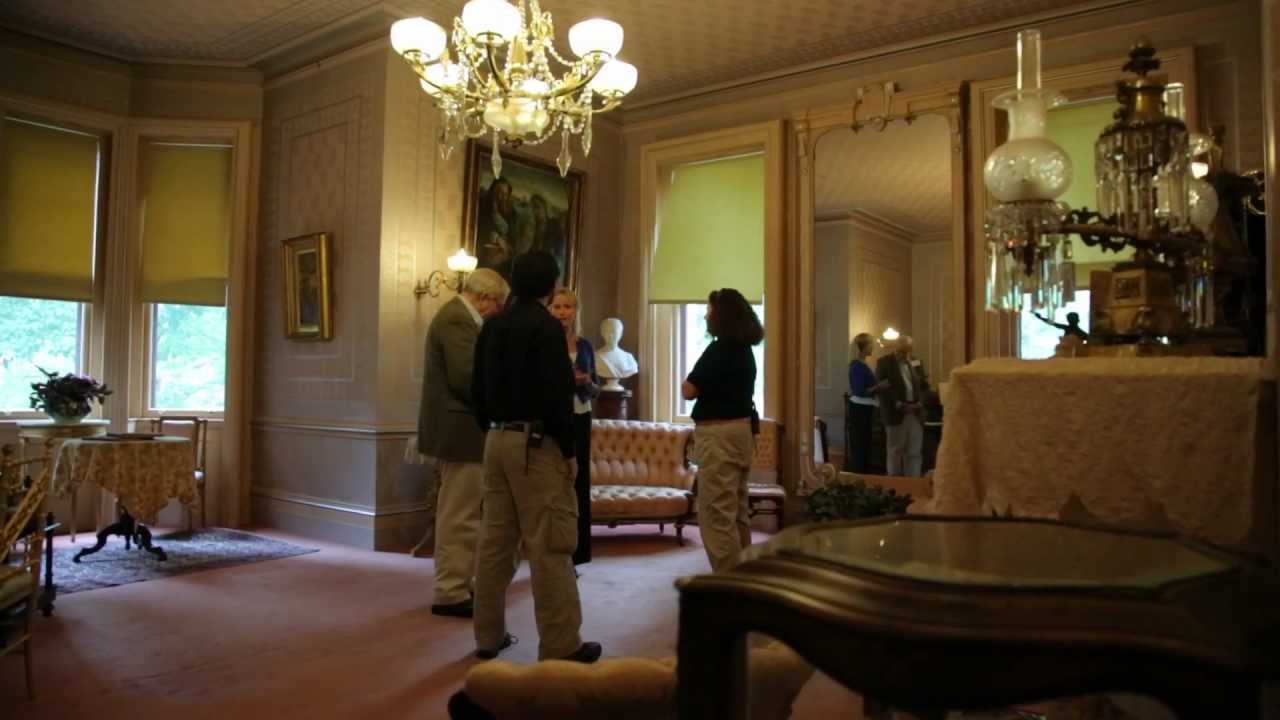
column 1149, row 196
column 493, row 75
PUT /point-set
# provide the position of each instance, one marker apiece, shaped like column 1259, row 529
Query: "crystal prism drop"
column 586, row 139
column 496, row 158
column 564, row 159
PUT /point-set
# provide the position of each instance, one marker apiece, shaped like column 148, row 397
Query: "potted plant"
column 66, row 397
column 854, row 501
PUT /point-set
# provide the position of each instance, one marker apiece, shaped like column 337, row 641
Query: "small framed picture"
column 308, row 294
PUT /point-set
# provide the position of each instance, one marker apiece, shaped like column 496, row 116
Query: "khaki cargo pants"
column 722, row 453
column 529, row 497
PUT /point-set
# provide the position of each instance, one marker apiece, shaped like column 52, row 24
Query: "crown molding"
column 872, row 223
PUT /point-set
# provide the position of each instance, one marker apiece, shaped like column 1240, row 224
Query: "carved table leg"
column 144, row 542
column 119, row 527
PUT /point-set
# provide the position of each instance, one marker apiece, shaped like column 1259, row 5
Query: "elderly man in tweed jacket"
column 447, row 431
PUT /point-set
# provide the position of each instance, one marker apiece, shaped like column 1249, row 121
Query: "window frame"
column 149, row 410
column 142, row 374
column 84, row 339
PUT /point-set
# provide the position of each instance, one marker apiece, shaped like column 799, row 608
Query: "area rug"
column 203, row 549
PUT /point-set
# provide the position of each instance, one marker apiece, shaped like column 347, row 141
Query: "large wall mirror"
column 879, row 213
column 883, row 234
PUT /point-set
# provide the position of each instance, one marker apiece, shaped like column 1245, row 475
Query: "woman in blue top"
column 723, row 382
column 862, row 405
column 564, row 307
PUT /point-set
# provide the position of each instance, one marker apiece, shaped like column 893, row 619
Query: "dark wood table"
column 930, row 613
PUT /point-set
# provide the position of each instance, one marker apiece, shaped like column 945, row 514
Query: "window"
column 185, row 202
column 49, row 192
column 1037, row 339
column 37, row 334
column 692, row 339
column 188, row 357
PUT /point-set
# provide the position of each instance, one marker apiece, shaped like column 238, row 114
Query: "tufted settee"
column 639, row 474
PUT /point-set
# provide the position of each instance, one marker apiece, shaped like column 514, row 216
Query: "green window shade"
column 48, row 211
column 711, row 232
column 1076, row 128
column 185, row 195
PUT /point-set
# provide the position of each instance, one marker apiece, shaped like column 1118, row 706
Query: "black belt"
column 520, row 426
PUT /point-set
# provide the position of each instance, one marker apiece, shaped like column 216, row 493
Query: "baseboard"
column 392, row 529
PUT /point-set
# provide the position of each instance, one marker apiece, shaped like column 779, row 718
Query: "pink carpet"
column 340, row 633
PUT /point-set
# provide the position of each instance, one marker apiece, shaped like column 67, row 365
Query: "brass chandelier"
column 493, row 75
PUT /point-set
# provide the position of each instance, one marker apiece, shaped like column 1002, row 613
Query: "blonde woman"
column 564, row 307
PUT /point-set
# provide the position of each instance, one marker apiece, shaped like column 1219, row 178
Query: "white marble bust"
column 612, row 362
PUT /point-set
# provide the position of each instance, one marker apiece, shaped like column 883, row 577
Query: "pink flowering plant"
column 67, row 395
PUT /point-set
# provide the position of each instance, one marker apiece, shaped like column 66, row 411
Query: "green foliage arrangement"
column 66, row 395
column 854, row 501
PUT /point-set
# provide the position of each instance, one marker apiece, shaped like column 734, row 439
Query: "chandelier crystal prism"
column 493, row 75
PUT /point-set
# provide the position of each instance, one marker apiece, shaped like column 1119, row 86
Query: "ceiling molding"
column 868, row 222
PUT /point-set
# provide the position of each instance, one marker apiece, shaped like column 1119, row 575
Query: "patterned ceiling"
column 901, row 175
column 678, row 45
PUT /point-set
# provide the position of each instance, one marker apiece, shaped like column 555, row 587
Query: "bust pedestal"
column 612, row 404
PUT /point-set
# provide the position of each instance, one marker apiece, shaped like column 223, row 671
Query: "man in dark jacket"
column 523, row 388
column 447, row 432
column 902, row 409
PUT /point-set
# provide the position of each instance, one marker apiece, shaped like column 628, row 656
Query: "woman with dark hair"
column 722, row 384
column 863, row 389
column 564, row 307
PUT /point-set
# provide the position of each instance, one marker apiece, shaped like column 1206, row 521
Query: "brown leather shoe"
column 587, row 654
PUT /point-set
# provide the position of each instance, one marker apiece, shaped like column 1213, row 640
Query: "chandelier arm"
column 493, row 68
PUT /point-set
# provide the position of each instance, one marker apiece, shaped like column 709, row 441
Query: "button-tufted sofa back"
column 628, row 452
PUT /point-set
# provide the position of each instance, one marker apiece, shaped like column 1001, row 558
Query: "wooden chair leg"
column 680, row 533
column 26, row 651
column 73, row 516
column 662, row 528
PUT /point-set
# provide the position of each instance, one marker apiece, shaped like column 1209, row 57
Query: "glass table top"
column 1003, row 553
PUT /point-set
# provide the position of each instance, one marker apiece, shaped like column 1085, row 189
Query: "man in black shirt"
column 523, row 387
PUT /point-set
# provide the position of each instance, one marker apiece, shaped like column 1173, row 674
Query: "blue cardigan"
column 586, row 362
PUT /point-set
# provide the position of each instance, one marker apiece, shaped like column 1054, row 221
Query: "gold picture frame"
column 308, row 287
column 544, row 212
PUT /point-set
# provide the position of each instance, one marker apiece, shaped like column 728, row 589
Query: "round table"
column 932, row 613
column 143, row 472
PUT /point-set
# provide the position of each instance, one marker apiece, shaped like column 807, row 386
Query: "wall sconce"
column 460, row 262
column 888, row 336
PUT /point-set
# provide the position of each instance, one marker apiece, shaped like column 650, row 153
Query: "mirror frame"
column 804, row 129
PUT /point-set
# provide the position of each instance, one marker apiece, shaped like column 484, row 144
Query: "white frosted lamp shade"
column 517, row 116
column 1027, row 169
column 462, row 262
column 596, row 35
column 534, row 87
column 441, row 77
column 615, row 78
column 1204, row 203
column 1199, row 169
column 418, row 34
column 497, row 18
column 890, row 334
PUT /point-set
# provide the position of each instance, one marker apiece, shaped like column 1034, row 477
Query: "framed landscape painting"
column 308, row 293
column 530, row 207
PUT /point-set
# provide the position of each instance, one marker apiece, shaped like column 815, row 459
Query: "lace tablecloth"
column 143, row 474
column 1157, row 443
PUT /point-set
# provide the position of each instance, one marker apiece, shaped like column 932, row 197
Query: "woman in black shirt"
column 722, row 384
